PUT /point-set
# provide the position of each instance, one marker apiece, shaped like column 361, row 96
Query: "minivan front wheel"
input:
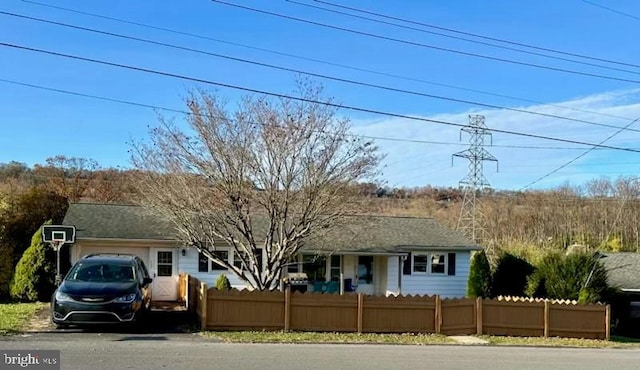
column 61, row 326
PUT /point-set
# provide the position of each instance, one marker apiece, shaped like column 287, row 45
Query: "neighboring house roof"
column 623, row 270
column 372, row 234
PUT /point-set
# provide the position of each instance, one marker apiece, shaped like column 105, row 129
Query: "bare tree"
column 67, row 176
column 261, row 179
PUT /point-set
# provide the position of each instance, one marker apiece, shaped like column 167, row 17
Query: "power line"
column 318, row 75
column 591, row 164
column 462, row 38
column 414, row 43
column 315, row 60
column 510, row 42
column 612, row 10
column 577, row 157
column 285, row 96
column 173, row 110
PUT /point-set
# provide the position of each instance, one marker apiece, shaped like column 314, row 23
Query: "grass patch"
column 415, row 339
column 313, row 337
column 615, row 342
column 14, row 316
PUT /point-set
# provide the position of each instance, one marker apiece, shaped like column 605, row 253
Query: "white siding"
column 189, row 264
column 446, row 286
column 392, row 275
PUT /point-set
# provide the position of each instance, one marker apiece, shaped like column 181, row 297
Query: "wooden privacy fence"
column 252, row 310
column 194, row 293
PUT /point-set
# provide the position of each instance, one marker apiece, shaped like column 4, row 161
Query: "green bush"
column 34, row 277
column 510, row 276
column 20, row 215
column 479, row 283
column 579, row 276
column 223, row 283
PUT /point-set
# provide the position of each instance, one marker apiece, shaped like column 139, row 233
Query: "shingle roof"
column 375, row 234
column 389, row 234
column 623, row 269
column 111, row 221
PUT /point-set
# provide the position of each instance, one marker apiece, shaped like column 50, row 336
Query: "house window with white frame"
column 430, row 263
column 237, row 260
column 221, row 255
column 438, row 263
column 420, row 263
column 205, row 264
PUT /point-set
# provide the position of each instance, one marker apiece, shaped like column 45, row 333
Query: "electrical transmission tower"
column 471, row 219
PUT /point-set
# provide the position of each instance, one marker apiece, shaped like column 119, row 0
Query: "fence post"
column 186, row 290
column 360, row 309
column 287, row 308
column 479, row 315
column 546, row 318
column 203, row 306
column 438, row 318
column 607, row 322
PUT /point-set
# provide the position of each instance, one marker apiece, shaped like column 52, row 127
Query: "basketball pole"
column 57, row 245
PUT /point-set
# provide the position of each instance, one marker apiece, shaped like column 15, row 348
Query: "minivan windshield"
column 101, row 271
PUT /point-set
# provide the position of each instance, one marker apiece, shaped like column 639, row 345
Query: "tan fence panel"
column 183, row 286
column 577, row 321
column 193, row 286
column 245, row 310
column 458, row 316
column 323, row 312
column 520, row 318
column 398, row 314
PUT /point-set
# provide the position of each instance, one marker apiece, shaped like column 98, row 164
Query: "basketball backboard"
column 59, row 234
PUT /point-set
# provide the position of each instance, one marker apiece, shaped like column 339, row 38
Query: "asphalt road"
column 95, row 350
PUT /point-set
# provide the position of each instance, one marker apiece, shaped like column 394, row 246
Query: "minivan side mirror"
column 146, row 281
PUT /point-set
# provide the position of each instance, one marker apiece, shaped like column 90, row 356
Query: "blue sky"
column 37, row 124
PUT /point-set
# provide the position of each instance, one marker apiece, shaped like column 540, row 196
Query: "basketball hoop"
column 57, row 236
column 56, row 244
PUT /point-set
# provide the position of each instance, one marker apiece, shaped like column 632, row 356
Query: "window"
column 221, row 255
column 438, row 263
column 237, row 260
column 203, row 263
column 293, row 265
column 165, row 263
column 315, row 267
column 142, row 270
column 259, row 258
column 430, row 263
column 365, row 269
column 335, row 268
column 103, row 272
column 420, row 262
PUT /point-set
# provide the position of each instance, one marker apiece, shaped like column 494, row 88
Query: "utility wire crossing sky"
column 83, row 79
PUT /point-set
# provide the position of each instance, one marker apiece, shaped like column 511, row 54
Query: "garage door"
column 141, row 252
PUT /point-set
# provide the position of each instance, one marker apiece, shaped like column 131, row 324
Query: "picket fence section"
column 252, row 310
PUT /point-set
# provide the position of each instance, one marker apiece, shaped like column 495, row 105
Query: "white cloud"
column 417, row 164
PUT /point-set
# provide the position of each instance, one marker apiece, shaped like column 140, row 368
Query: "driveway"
column 162, row 320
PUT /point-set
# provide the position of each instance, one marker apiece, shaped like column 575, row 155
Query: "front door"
column 164, row 273
column 365, row 274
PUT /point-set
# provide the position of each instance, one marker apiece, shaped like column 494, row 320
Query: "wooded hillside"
column 600, row 214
